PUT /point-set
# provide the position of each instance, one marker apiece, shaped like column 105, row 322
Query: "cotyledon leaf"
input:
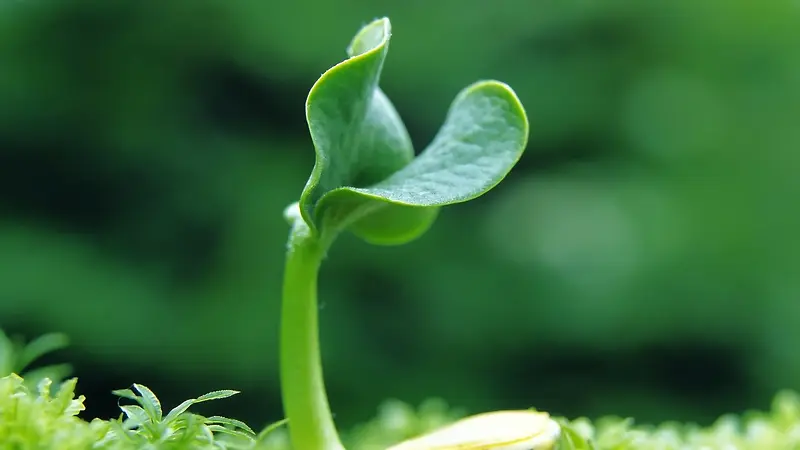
column 483, row 137
column 366, row 178
column 358, row 136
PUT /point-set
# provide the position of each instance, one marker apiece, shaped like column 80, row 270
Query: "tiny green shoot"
column 368, row 181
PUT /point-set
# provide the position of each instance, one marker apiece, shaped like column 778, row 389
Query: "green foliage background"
column 641, row 260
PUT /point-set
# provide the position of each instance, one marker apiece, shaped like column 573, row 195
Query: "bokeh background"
column 642, row 259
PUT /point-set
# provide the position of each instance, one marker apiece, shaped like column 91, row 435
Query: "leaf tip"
column 498, row 87
column 501, row 89
column 370, row 37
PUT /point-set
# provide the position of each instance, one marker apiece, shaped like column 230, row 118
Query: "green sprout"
column 367, row 180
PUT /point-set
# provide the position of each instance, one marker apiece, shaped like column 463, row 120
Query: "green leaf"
column 358, row 135
column 135, row 415
column 41, row 346
column 16, row 356
column 571, row 440
column 126, row 393
column 266, row 432
column 184, row 406
column 205, row 433
column 149, row 402
column 178, row 410
column 230, row 422
column 75, row 406
column 66, row 392
column 366, row 178
column 216, row 395
column 229, row 431
column 394, row 224
column 482, row 139
column 55, row 372
column 43, row 388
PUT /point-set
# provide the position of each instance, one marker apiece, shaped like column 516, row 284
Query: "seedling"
column 367, row 180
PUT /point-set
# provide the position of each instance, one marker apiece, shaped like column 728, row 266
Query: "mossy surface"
column 48, row 417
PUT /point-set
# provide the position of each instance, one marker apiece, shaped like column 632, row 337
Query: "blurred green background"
column 642, row 259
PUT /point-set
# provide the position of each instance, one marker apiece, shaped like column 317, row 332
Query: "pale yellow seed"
column 500, row 430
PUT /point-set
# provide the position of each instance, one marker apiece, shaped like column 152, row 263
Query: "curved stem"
column 305, row 402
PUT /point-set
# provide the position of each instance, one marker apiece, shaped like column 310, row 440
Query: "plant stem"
column 305, row 402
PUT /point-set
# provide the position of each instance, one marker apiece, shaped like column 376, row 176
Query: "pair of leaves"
column 366, row 178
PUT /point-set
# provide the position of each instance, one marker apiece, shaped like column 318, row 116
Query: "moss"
column 33, row 419
column 776, row 429
column 37, row 413
column 36, row 419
